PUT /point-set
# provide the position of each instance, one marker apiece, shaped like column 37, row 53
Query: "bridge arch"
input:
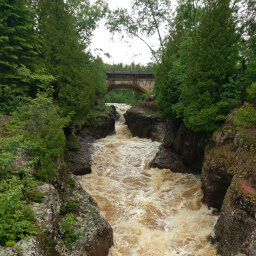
column 117, row 86
column 139, row 82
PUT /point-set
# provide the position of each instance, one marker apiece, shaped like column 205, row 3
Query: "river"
column 152, row 212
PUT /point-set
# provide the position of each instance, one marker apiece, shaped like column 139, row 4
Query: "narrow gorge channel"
column 152, row 212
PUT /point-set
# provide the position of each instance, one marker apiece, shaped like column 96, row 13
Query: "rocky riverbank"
column 67, row 217
column 229, row 182
column 182, row 150
column 227, row 164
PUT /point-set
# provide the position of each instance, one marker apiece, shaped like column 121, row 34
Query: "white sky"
column 121, row 51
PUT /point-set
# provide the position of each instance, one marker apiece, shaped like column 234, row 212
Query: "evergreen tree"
column 214, row 55
column 171, row 73
column 19, row 49
column 65, row 59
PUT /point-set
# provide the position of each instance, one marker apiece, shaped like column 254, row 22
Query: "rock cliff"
column 229, row 179
column 144, row 124
column 80, row 140
column 182, row 150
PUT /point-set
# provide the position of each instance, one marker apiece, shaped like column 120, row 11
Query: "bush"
column 245, row 116
column 67, row 226
column 251, row 91
column 16, row 218
column 41, row 126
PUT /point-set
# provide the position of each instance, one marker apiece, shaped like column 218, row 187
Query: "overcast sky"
column 121, row 51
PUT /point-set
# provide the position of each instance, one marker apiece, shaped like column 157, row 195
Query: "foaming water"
column 153, row 212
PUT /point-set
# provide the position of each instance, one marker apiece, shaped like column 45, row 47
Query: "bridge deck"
column 127, row 75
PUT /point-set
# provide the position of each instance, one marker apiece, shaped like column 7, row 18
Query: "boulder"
column 166, row 158
column 79, row 141
column 186, row 143
column 149, row 103
column 46, row 213
column 97, row 235
column 145, row 125
column 230, row 153
column 26, row 247
column 236, row 227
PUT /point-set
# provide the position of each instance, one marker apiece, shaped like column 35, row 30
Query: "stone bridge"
column 139, row 82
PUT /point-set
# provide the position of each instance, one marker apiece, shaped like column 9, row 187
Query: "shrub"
column 67, row 226
column 251, row 91
column 16, row 218
column 245, row 116
column 41, row 127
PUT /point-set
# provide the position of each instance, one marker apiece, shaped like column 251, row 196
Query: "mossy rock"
column 73, row 142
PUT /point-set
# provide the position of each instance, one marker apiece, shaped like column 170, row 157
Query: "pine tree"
column 19, row 47
column 212, row 62
column 65, row 59
column 171, row 73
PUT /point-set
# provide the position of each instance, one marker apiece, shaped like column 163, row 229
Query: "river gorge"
column 152, row 211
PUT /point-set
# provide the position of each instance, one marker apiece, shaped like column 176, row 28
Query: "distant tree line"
column 151, row 67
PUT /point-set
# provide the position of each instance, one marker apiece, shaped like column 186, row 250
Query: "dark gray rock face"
column 166, row 158
column 182, row 150
column 236, row 227
column 145, row 125
column 79, row 142
column 97, row 235
column 186, row 143
column 149, row 103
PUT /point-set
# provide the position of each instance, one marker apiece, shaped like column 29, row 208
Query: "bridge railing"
column 127, row 75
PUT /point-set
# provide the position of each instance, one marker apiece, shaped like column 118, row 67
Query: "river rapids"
column 152, row 212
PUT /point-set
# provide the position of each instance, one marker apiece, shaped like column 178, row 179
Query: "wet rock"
column 114, row 112
column 182, row 150
column 47, row 212
column 78, row 154
column 149, row 103
column 79, row 141
column 186, row 143
column 97, row 235
column 236, row 226
column 166, row 158
column 145, row 125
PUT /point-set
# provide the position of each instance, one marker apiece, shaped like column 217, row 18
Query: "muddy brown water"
column 152, row 212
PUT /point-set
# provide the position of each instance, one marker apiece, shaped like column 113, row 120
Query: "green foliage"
column 101, row 109
column 122, row 96
column 16, row 218
column 245, row 116
column 87, row 17
column 212, row 62
column 67, row 226
column 80, row 78
column 69, row 206
column 41, row 126
column 146, row 18
column 171, row 74
column 195, row 81
column 251, row 91
column 231, row 93
column 132, row 67
column 19, row 49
